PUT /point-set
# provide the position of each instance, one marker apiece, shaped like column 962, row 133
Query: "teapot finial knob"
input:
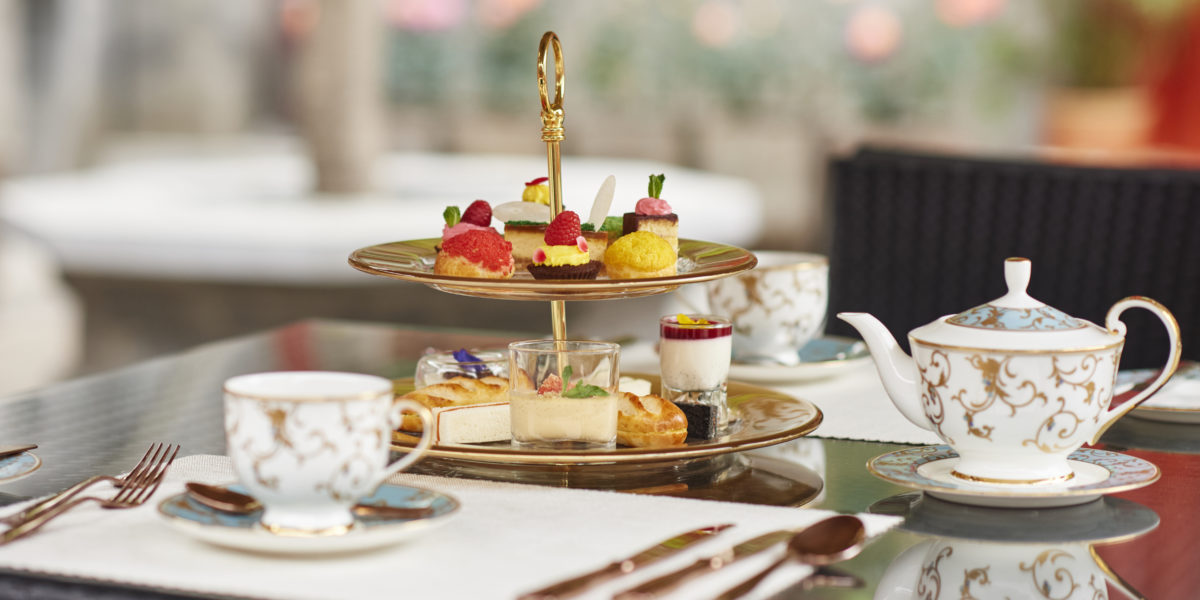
column 1016, row 273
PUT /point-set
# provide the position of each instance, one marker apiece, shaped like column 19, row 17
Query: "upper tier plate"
column 413, row 261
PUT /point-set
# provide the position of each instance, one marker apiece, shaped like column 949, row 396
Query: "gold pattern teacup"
column 310, row 444
column 776, row 308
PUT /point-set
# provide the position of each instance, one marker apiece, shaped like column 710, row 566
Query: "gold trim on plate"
column 764, row 417
column 978, row 479
column 412, row 260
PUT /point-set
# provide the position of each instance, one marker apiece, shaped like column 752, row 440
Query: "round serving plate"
column 413, row 261
column 763, row 416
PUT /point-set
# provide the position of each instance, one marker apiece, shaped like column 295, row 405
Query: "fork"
column 136, row 488
column 18, row 518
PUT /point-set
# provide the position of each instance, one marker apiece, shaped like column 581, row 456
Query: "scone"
column 649, row 422
column 476, row 253
column 459, row 391
column 638, row 255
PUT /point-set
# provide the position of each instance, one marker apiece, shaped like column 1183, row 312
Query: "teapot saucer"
column 1097, row 472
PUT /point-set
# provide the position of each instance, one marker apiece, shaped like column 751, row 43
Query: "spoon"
column 226, row 500
column 829, row 541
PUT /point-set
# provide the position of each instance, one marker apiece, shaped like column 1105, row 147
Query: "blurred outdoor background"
column 177, row 171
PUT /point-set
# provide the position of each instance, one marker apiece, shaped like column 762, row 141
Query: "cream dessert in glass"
column 563, row 394
column 694, row 353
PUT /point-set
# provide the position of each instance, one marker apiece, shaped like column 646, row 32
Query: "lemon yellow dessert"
column 639, row 254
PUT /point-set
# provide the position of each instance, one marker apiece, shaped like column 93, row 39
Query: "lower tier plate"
column 763, row 417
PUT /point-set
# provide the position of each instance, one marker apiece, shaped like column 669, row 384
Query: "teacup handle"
column 399, row 407
column 1114, row 324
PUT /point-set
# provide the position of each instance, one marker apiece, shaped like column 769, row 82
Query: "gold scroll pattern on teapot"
column 296, row 440
column 1070, row 394
column 1051, row 575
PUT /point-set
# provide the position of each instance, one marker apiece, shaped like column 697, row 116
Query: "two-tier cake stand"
column 764, row 417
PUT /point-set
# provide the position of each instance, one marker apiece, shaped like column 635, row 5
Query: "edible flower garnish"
column 472, row 365
column 580, row 389
column 683, row 319
column 452, row 216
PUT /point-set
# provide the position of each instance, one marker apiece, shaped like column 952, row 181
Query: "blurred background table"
column 102, row 424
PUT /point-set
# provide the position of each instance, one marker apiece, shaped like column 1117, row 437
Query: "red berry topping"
column 481, row 246
column 538, row 181
column 552, row 384
column 563, row 230
column 478, row 213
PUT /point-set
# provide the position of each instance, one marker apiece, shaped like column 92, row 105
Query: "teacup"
column 776, row 308
column 310, row 444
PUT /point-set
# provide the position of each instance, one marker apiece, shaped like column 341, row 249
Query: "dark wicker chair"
column 920, row 236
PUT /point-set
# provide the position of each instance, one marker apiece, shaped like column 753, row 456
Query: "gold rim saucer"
column 413, row 260
column 764, row 417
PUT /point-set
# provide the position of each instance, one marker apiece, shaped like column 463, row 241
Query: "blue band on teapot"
column 1042, row 318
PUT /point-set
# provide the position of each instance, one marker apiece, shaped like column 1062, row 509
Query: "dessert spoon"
column 829, row 541
column 226, row 500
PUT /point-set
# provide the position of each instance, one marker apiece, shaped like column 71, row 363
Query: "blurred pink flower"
column 873, row 33
column 425, row 15
column 964, row 13
column 499, row 14
column 715, row 23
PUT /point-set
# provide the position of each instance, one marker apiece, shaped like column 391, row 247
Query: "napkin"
column 505, row 540
column 854, row 404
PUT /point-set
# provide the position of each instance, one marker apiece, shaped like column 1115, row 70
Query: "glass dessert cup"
column 694, row 362
column 438, row 367
column 563, row 394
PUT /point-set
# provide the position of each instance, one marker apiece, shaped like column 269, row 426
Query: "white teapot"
column 1014, row 385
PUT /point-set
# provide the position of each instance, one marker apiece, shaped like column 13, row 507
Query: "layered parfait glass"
column 694, row 353
column 563, row 394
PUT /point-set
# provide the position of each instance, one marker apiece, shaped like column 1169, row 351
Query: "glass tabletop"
column 1144, row 540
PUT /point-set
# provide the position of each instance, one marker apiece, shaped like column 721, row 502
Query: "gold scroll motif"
column 929, row 587
column 1050, row 585
column 1001, row 383
column 935, row 377
column 306, row 441
column 977, row 575
column 1056, row 432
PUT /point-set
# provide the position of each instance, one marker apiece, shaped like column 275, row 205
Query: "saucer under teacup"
column 1177, row 402
column 822, row 357
column 18, row 466
column 1096, row 472
column 246, row 532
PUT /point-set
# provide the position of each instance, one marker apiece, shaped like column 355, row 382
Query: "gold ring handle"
column 550, row 40
column 1114, row 325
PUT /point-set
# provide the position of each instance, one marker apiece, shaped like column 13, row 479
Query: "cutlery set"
column 132, row 490
column 825, row 542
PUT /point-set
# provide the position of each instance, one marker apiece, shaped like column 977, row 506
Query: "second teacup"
column 776, row 308
column 309, row 444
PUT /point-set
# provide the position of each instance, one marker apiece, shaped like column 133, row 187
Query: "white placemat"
column 507, row 539
column 854, row 403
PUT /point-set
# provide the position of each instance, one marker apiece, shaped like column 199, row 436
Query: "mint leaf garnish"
column 656, row 183
column 452, row 216
column 613, row 224
column 566, row 375
column 585, row 390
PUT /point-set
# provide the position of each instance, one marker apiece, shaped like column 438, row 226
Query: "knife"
column 661, row 585
column 655, row 553
column 17, row 449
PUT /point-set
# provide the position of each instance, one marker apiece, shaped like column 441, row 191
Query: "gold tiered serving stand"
column 764, row 417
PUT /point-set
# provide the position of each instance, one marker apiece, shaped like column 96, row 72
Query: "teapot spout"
column 896, row 369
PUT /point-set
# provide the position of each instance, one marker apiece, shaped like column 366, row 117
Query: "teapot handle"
column 1114, row 325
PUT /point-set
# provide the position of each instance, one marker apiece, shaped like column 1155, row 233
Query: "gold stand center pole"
column 552, row 134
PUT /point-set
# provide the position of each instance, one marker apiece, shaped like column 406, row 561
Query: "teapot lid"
column 1006, row 322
